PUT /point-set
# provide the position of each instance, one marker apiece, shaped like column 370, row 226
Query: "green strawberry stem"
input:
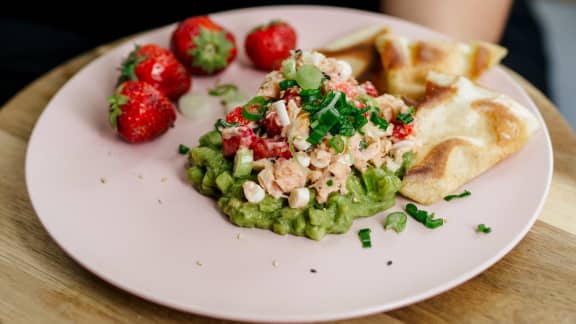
column 128, row 68
column 211, row 50
column 116, row 102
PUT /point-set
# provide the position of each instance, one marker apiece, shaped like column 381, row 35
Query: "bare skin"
column 461, row 19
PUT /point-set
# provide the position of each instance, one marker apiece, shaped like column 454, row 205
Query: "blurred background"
column 540, row 35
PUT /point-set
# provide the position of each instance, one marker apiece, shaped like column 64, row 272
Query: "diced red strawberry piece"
column 271, row 125
column 370, row 89
column 235, row 137
column 401, row 131
column 271, row 148
column 235, row 116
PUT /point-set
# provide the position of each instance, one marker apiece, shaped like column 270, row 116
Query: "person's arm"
column 462, row 19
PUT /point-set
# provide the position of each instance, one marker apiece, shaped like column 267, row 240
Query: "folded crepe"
column 359, row 50
column 406, row 62
column 464, row 130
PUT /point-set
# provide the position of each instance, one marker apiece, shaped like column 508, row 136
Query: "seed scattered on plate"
column 164, row 179
column 313, row 270
column 103, row 180
column 198, row 263
column 160, row 201
column 239, row 236
column 275, row 264
column 141, row 177
column 389, row 263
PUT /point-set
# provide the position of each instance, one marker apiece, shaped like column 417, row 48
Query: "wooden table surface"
column 534, row 283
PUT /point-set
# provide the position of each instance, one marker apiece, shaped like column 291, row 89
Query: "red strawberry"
column 235, row 137
column 139, row 112
column 159, row 67
column 401, row 131
column 268, row 45
column 203, row 46
column 235, row 116
column 271, row 148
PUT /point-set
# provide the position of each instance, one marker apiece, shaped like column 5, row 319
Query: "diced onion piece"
column 280, row 107
column 299, row 198
column 303, row 159
column 253, row 192
column 320, row 159
column 301, row 144
column 345, row 70
column 194, row 105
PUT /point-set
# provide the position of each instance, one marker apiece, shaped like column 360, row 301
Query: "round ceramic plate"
column 126, row 212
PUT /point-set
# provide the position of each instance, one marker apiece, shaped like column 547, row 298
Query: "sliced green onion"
column 310, row 96
column 405, row 118
column 221, row 123
column 407, row 159
column 285, row 84
column 396, row 221
column 379, row 121
column 466, row 193
column 222, row 89
column 337, row 143
column 259, row 103
column 364, row 235
column 346, row 128
column 330, row 183
column 423, row 217
column 483, row 229
column 432, row 222
column 309, row 77
column 183, row 149
column 289, row 68
column 317, row 134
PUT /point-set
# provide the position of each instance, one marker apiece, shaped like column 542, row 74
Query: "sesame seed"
column 198, row 263
column 389, row 263
column 164, row 179
column 141, row 177
column 313, row 270
column 160, row 201
column 103, row 180
column 275, row 264
column 239, row 236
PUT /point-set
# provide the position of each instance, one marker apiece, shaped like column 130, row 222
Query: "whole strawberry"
column 139, row 112
column 268, row 45
column 159, row 67
column 203, row 46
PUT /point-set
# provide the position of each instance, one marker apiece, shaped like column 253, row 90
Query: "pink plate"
column 149, row 232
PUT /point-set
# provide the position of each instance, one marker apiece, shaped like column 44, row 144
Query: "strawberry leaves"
column 211, row 50
column 116, row 102
column 128, row 68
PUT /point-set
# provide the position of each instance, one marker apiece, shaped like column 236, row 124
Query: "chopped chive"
column 364, row 235
column 396, row 221
column 379, row 121
column 330, row 183
column 285, row 84
column 405, row 118
column 483, row 229
column 423, row 217
column 432, row 222
column 221, row 123
column 462, row 195
column 183, row 149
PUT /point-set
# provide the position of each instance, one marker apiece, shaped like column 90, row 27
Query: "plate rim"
column 340, row 315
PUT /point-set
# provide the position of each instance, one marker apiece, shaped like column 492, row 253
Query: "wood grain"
column 535, row 283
